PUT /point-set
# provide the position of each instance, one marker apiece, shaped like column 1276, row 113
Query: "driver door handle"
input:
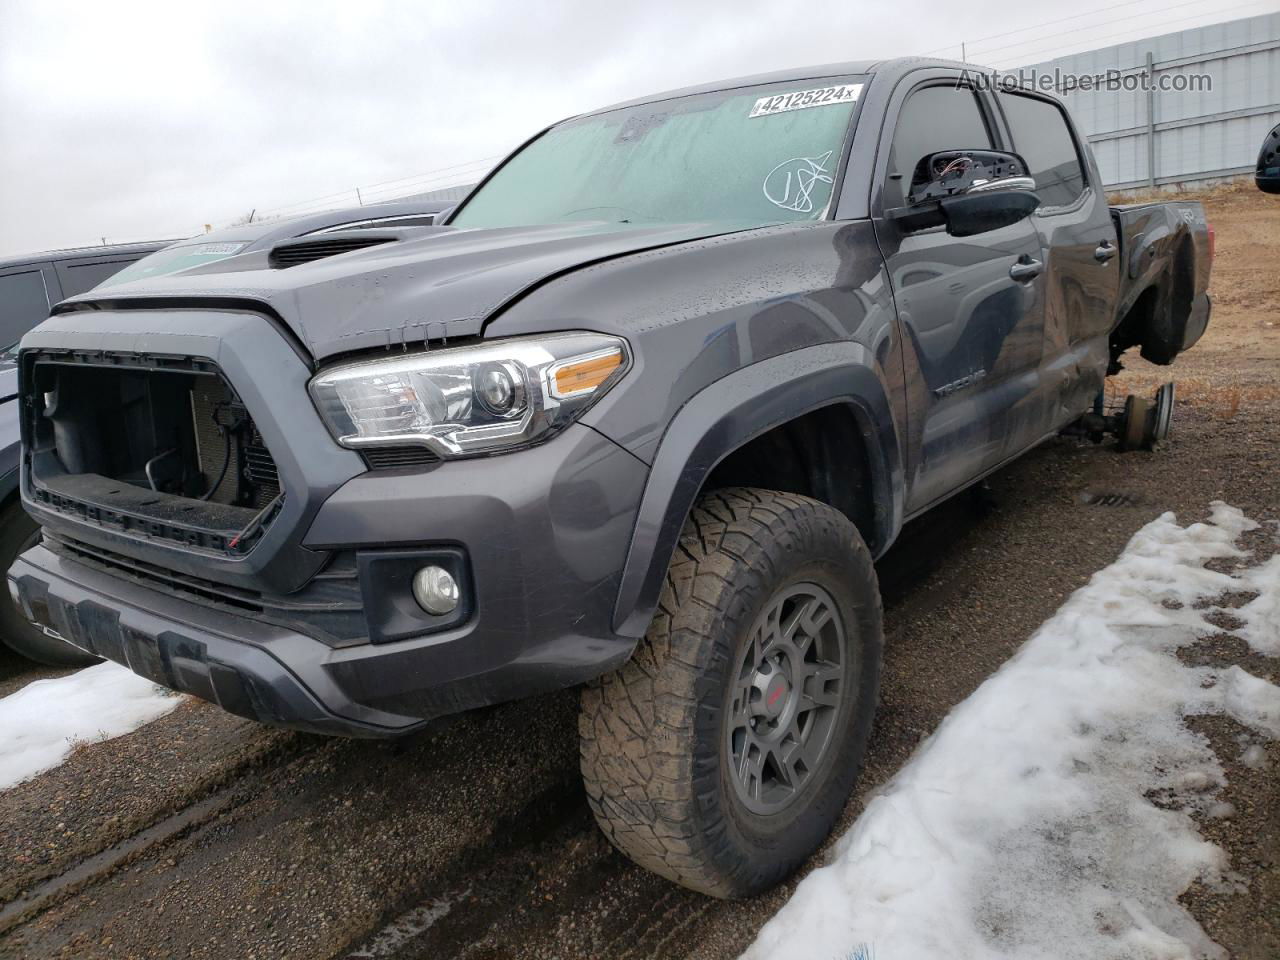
column 1026, row 269
column 1105, row 251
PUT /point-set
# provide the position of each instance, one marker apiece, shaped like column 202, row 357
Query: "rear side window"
column 79, row 277
column 1042, row 136
column 23, row 304
column 932, row 119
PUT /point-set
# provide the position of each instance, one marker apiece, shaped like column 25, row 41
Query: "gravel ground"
column 202, row 835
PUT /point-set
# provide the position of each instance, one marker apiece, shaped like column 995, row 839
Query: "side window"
column 79, row 277
column 1042, row 136
column 933, row 118
column 23, row 304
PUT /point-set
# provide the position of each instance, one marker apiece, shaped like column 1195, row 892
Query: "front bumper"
column 542, row 535
column 545, row 533
column 265, row 673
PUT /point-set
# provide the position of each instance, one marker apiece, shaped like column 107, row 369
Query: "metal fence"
column 1149, row 137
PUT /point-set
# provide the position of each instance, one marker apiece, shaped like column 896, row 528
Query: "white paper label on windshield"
column 804, row 99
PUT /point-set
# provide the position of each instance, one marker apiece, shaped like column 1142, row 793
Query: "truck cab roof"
column 891, row 67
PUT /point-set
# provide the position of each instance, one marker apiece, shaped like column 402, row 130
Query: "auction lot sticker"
column 803, row 99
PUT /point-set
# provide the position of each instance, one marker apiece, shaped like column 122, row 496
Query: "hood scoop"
column 291, row 253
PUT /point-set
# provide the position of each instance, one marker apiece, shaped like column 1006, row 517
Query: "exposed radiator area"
column 161, row 447
column 225, row 434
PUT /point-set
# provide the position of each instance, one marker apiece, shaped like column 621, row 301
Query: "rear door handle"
column 1026, row 269
column 1105, row 251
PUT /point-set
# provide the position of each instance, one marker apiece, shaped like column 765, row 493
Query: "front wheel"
column 722, row 754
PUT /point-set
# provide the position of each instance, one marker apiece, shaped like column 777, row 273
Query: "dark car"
column 1267, row 176
column 29, row 286
column 640, row 415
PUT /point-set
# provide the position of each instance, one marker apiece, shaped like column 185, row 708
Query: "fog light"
column 435, row 590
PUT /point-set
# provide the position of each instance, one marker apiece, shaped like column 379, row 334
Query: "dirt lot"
column 202, row 835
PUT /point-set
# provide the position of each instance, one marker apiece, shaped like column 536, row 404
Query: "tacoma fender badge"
column 949, row 388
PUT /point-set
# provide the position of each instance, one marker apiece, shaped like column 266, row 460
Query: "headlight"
column 468, row 400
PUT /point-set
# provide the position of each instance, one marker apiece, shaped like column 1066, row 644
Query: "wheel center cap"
column 775, row 695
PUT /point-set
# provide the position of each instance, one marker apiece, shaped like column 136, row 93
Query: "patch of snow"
column 405, row 927
column 1262, row 614
column 47, row 719
column 1252, row 701
column 1254, row 756
column 1049, row 816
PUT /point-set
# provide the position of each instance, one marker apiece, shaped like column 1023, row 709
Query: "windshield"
column 755, row 155
column 175, row 257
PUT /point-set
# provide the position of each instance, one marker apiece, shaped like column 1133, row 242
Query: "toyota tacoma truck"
column 639, row 415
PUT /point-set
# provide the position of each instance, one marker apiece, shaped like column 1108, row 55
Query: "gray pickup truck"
column 640, row 414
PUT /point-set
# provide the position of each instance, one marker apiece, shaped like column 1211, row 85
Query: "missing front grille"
column 167, row 450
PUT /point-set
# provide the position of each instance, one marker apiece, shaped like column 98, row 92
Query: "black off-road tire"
column 655, row 758
column 18, row 533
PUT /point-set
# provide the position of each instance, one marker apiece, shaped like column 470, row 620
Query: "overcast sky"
column 139, row 121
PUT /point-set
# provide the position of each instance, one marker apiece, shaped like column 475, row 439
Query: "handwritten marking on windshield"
column 790, row 184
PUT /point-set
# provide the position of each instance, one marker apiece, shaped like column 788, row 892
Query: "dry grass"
column 1239, row 185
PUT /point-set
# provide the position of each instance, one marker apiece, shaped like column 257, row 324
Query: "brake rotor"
column 1136, row 433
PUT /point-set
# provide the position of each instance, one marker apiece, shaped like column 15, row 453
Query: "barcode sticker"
column 804, row 99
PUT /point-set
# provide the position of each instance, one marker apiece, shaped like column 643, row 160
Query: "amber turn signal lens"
column 583, row 376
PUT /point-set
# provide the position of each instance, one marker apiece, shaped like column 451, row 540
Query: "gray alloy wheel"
column 784, row 702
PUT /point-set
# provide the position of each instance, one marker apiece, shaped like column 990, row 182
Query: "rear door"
column 1082, row 260
column 976, row 332
column 26, row 293
column 85, row 273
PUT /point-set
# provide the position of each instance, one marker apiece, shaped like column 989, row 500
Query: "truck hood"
column 433, row 283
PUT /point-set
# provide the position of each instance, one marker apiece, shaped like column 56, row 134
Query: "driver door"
column 974, row 333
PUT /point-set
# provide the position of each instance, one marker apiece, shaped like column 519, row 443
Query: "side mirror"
column 968, row 191
column 950, row 173
column 1268, row 176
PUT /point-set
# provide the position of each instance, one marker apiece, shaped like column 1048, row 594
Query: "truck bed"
column 1166, row 249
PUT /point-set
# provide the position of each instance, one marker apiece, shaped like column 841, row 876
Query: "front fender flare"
column 731, row 412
